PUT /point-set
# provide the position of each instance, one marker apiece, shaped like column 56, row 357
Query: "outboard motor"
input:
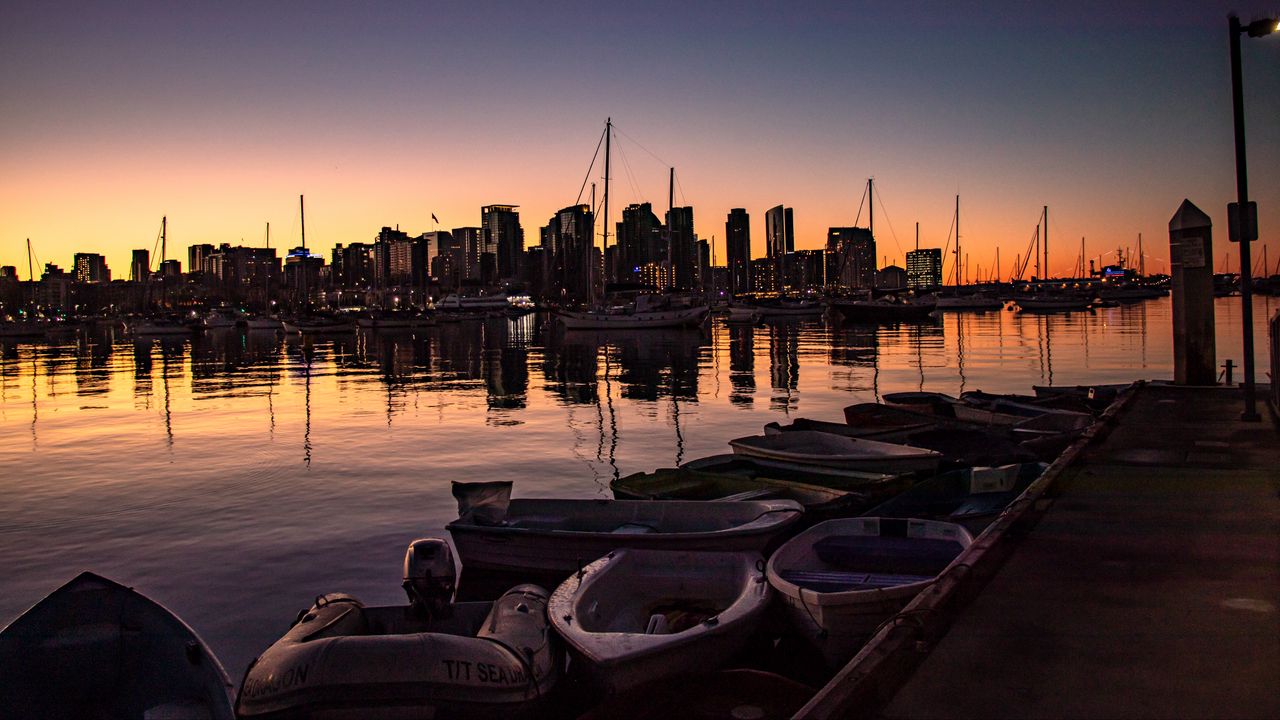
column 429, row 577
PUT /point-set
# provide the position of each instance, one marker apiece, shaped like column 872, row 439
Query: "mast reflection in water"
column 237, row 475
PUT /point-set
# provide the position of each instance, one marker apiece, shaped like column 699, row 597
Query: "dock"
column 1142, row 579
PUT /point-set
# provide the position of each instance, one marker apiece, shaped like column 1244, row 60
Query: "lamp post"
column 1244, row 228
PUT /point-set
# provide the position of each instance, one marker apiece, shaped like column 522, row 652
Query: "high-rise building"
column 779, row 236
column 737, row 233
column 503, row 237
column 140, row 268
column 196, row 255
column 640, row 241
column 91, row 268
column 470, row 242
column 851, row 257
column 682, row 249
column 354, row 266
column 571, row 232
column 170, row 269
column 444, row 257
column 924, row 268
column 805, row 270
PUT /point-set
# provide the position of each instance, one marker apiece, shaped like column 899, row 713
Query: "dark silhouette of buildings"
column 503, row 237
column 924, row 268
column 568, row 238
column 737, row 234
column 779, row 234
column 681, row 243
column 641, row 242
column 91, row 268
column 140, row 267
column 851, row 253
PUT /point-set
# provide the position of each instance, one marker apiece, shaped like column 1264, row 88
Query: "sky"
column 219, row 115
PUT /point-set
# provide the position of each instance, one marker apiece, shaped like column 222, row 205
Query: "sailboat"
column 954, row 300
column 309, row 322
column 645, row 311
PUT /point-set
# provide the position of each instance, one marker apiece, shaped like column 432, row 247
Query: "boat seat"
column 841, row 581
column 754, row 494
column 633, row 529
column 872, row 554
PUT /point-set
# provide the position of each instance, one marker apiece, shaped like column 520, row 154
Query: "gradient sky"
column 219, row 115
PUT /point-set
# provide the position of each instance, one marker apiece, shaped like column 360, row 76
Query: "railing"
column 1274, row 334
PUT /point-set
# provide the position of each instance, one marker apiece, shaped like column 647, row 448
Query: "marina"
column 287, row 377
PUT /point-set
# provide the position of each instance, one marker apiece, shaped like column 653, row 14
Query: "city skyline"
column 218, row 119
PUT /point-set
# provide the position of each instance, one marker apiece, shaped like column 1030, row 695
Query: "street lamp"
column 1245, row 220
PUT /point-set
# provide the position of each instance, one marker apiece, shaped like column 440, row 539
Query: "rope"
column 590, row 167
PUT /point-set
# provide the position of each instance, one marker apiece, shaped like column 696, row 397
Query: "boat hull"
column 686, row 317
column 837, row 451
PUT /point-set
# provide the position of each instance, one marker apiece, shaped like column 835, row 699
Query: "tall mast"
column 871, row 212
column 1142, row 259
column 31, row 273
column 671, row 207
column 302, row 210
column 608, row 135
column 164, row 226
column 917, row 236
column 268, row 234
column 958, row 256
column 1046, row 241
column 1039, row 227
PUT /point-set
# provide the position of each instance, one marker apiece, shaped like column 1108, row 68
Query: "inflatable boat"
column 434, row 658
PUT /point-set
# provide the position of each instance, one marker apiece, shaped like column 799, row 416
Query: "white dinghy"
column 635, row 616
column 494, row 532
column 95, row 648
column 840, row 579
column 810, row 447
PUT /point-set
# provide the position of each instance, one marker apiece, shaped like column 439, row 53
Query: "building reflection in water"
column 742, row 364
column 784, row 363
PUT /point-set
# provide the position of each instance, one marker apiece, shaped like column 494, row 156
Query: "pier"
column 1141, row 579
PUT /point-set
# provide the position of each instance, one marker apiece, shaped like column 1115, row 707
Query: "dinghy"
column 95, row 648
column 960, row 447
column 635, row 616
column 871, row 483
column 946, row 406
column 973, row 497
column 495, row 532
column 819, row 502
column 839, row 580
column 808, row 447
column 434, row 658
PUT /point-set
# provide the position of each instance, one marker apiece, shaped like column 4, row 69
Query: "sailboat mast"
column 1142, row 258
column 871, row 213
column 302, row 210
column 1046, row 241
column 608, row 135
column 268, row 235
column 31, row 273
column 917, row 236
column 164, row 228
column 958, row 256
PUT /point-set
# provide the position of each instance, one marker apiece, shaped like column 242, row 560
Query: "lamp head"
column 1265, row 26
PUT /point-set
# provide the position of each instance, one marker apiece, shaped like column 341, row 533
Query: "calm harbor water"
column 234, row 477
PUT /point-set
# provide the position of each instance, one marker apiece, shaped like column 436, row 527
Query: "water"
column 235, row 477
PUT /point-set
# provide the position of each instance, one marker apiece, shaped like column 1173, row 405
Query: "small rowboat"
column 840, row 579
column 562, row 535
column 973, row 497
column 635, row 616
column 872, row 483
column 95, row 648
column 808, row 447
column 959, row 446
column 684, row 484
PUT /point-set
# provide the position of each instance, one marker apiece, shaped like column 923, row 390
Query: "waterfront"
column 234, row 477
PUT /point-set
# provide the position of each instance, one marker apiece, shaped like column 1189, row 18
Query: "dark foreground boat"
column 94, row 648
column 973, row 497
column 960, row 447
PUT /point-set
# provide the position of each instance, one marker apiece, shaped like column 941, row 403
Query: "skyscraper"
column 851, row 253
column 640, row 241
column 91, row 268
column 571, row 232
column 737, row 233
column 504, row 237
column 779, row 235
column 683, row 253
column 140, row 268
column 924, row 268
column 471, row 244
